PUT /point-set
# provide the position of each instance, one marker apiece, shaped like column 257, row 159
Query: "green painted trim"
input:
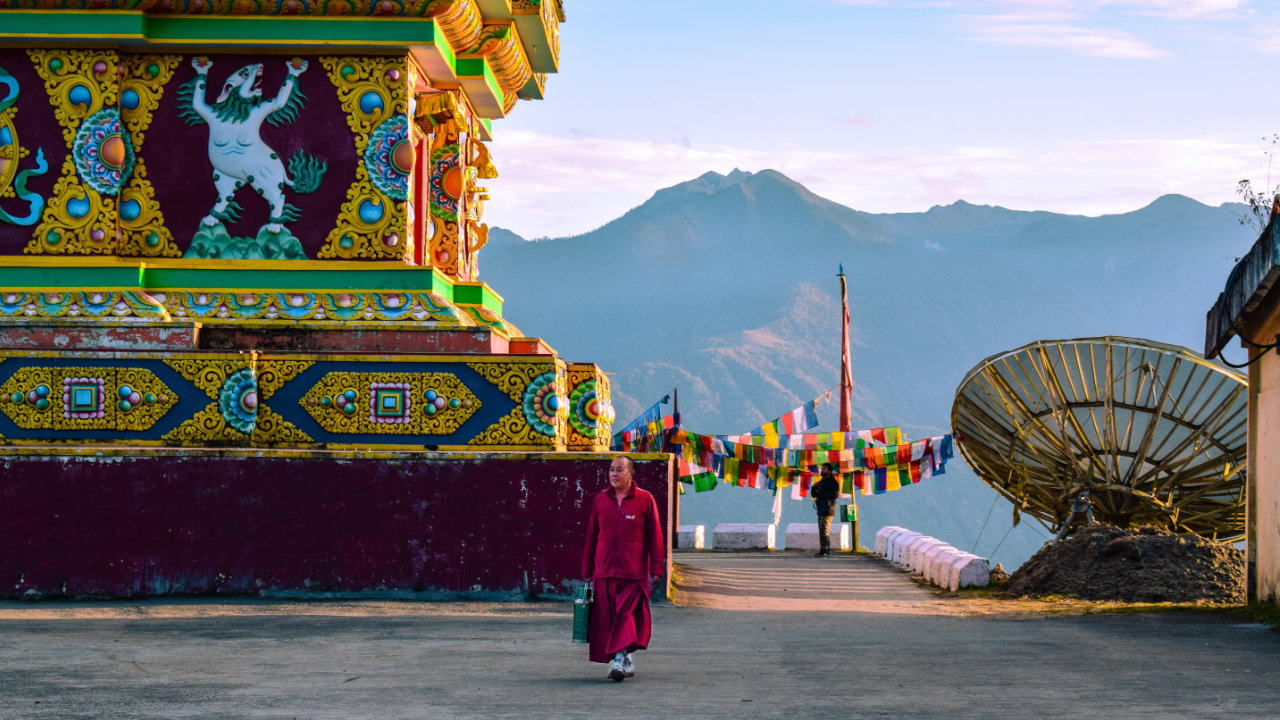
column 444, row 48
column 239, row 30
column 468, row 68
column 99, row 25
column 82, row 274
column 114, row 277
column 409, row 279
column 477, row 294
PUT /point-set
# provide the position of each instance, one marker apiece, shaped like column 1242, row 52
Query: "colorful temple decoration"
column 267, row 234
column 244, row 340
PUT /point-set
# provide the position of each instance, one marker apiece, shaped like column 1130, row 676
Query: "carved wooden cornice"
column 461, row 24
column 500, row 43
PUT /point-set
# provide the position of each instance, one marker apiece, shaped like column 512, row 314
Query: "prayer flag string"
column 869, row 467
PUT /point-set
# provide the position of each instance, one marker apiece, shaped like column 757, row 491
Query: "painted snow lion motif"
column 240, row 158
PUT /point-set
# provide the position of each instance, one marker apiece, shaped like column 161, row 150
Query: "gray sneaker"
column 616, row 673
column 628, row 669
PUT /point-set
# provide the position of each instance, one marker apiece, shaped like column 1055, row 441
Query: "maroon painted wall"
column 159, row 523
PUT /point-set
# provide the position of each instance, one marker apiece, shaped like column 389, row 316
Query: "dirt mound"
column 1102, row 562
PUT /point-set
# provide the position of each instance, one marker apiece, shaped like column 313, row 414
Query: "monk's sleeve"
column 654, row 541
column 589, row 551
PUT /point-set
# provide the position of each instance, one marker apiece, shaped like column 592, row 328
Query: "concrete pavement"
column 764, row 636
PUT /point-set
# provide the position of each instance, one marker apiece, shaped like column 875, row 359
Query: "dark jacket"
column 624, row 541
column 824, row 494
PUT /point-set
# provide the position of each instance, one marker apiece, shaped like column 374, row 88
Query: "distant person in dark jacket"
column 824, row 494
column 624, row 549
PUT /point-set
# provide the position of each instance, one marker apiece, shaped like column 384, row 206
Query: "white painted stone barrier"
column 744, row 536
column 898, row 550
column 804, row 536
column 692, row 537
column 916, row 550
column 970, row 571
column 882, row 538
column 896, row 540
column 936, row 561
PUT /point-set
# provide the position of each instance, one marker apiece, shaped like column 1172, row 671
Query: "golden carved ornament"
column 144, row 233
column 411, row 413
column 510, row 378
column 207, row 374
column 89, row 231
column 273, row 374
column 273, row 430
column 512, row 429
column 461, row 24
column 109, row 410
column 356, row 80
column 78, row 84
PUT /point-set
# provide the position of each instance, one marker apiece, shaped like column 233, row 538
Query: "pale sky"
column 1077, row 106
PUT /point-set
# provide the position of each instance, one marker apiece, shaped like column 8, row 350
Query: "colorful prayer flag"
column 798, row 420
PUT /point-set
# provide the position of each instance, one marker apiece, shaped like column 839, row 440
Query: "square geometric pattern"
column 389, row 402
column 83, row 398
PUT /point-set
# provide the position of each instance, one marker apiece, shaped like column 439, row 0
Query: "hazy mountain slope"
column 725, row 287
column 960, row 225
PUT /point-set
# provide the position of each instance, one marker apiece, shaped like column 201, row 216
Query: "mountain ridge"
column 726, row 289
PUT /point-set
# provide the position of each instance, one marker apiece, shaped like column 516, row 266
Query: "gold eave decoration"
column 461, row 23
column 499, row 43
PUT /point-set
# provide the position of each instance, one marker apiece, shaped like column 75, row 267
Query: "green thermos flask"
column 582, row 614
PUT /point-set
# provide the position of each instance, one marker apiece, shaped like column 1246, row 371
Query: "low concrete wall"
column 744, row 536
column 804, row 536
column 693, row 537
column 146, row 522
column 935, row 561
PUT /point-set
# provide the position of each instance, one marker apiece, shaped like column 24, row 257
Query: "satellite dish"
column 1152, row 434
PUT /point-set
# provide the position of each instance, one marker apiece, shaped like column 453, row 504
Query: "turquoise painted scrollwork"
column 11, row 152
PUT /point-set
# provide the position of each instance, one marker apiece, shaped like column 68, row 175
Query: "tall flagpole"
column 673, row 482
column 846, row 393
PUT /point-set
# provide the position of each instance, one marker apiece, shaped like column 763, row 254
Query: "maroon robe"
column 624, row 548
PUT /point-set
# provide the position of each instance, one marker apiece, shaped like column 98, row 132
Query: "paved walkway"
column 773, row 658
column 798, row 581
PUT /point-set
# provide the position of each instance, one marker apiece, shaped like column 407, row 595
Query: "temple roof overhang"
column 495, row 51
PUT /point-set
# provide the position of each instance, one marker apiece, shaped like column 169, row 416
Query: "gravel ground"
column 1103, row 562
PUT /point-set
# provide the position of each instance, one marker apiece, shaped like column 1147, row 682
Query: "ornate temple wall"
column 161, row 522
column 343, row 402
column 243, row 340
column 218, row 156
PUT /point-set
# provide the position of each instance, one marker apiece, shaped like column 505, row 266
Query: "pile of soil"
column 1103, row 562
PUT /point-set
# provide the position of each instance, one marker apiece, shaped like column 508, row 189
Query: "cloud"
column 551, row 186
column 1096, row 42
column 858, row 119
column 1084, row 27
column 1269, row 39
column 1180, row 9
column 1177, row 9
column 1174, row 9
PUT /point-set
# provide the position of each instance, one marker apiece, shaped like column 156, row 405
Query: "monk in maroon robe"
column 624, row 549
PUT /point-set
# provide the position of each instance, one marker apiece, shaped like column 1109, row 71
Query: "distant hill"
column 724, row 287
